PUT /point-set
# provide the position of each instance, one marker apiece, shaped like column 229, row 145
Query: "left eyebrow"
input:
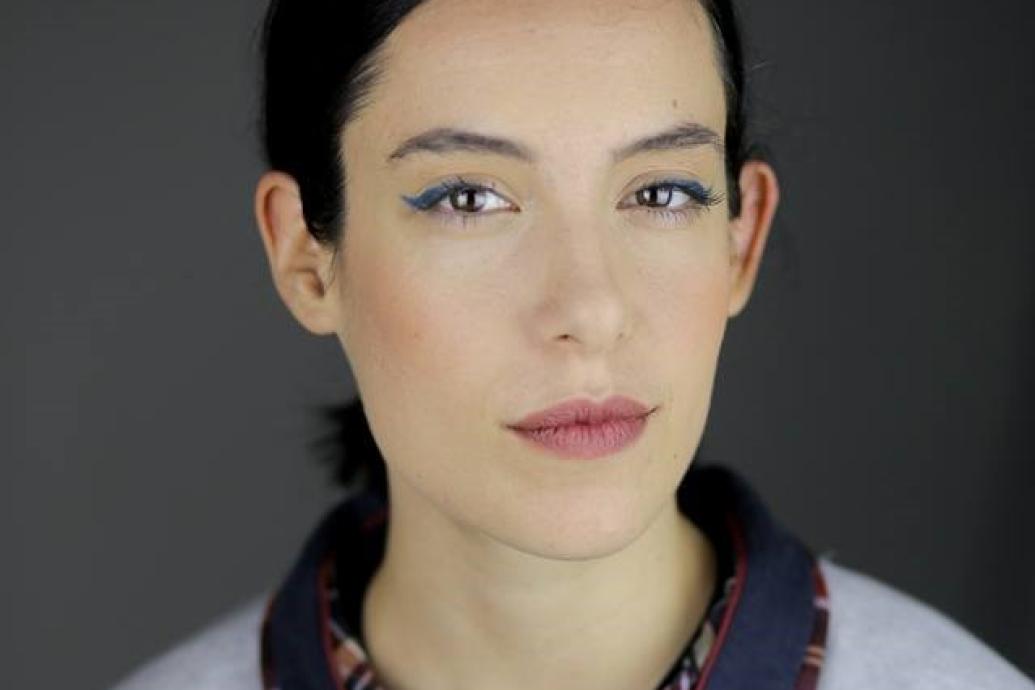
column 442, row 140
column 685, row 135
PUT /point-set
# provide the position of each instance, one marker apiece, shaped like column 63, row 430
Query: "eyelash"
column 701, row 198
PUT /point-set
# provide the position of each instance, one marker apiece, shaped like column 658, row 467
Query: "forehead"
column 551, row 72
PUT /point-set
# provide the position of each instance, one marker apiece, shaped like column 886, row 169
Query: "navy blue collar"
column 760, row 645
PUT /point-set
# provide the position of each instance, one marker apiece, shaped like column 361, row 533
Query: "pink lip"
column 584, row 429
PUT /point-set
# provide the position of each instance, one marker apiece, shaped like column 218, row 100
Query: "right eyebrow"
column 447, row 139
column 684, row 135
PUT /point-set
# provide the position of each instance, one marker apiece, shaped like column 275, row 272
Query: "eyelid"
column 436, row 192
column 700, row 192
column 433, row 195
column 701, row 198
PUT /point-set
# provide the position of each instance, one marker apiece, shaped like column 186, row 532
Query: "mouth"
column 583, row 411
column 581, row 428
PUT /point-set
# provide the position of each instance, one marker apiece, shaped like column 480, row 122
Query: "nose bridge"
column 584, row 296
column 581, row 249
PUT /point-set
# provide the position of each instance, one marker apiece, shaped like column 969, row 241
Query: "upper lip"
column 584, row 411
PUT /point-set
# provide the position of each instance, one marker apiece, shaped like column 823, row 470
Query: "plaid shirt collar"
column 766, row 631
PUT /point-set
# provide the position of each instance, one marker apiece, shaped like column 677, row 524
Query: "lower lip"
column 586, row 441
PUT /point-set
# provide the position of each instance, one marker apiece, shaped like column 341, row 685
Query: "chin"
column 591, row 525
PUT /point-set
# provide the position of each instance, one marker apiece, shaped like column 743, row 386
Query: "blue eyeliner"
column 427, row 198
column 695, row 190
column 702, row 196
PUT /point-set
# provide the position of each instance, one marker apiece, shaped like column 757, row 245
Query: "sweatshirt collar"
column 768, row 630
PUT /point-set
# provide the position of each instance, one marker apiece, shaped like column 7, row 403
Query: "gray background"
column 879, row 390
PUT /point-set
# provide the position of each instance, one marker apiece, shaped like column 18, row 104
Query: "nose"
column 584, row 302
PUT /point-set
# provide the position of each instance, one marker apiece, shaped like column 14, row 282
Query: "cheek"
column 418, row 345
column 688, row 311
column 698, row 308
column 687, row 295
column 408, row 326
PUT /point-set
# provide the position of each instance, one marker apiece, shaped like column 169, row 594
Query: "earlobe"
column 760, row 195
column 297, row 261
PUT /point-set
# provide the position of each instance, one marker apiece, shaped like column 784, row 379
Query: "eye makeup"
column 699, row 198
column 429, row 200
column 431, row 196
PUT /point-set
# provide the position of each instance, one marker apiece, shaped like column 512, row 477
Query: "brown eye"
column 672, row 201
column 655, row 196
column 460, row 201
column 467, row 199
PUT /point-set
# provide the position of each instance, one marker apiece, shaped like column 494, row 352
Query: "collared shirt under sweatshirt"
column 780, row 618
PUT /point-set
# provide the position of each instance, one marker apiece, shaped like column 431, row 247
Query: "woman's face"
column 561, row 281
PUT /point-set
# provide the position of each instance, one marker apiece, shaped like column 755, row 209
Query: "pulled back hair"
column 320, row 61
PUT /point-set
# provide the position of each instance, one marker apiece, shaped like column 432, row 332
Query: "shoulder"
column 223, row 656
column 881, row 637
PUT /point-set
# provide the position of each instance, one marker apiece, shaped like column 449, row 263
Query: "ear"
column 299, row 264
column 760, row 195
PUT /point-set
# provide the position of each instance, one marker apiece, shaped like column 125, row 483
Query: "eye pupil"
column 466, row 195
column 655, row 196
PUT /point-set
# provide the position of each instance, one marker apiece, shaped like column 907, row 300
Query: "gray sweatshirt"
column 791, row 619
column 927, row 652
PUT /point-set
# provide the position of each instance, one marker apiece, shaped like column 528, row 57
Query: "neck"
column 450, row 609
